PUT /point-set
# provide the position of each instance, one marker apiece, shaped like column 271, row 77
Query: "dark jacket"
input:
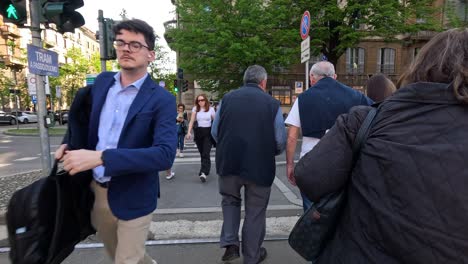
column 407, row 198
column 324, row 102
column 246, row 144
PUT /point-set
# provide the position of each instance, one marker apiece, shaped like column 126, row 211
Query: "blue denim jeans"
column 306, row 203
column 180, row 141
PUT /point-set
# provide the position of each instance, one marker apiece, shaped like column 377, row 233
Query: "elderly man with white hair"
column 315, row 111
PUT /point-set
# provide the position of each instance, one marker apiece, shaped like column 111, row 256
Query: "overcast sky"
column 155, row 12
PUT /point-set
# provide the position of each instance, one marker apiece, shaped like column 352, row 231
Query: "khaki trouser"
column 124, row 241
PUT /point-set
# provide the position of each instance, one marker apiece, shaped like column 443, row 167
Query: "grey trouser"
column 253, row 230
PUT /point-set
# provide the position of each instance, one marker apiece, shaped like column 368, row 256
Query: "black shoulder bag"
column 318, row 224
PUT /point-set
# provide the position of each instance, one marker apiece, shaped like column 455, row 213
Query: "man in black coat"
column 249, row 131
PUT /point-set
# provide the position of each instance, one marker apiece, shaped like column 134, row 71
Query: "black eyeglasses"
column 133, row 46
column 201, row 100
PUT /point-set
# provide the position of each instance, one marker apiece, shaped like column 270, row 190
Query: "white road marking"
column 26, row 159
column 184, row 229
column 183, row 160
column 4, row 164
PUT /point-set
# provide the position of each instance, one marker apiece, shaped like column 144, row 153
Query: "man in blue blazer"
column 131, row 137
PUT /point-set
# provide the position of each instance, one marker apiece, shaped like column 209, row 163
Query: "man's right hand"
column 60, row 151
column 290, row 173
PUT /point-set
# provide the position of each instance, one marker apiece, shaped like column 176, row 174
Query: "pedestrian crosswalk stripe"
column 191, row 154
column 26, row 159
column 183, row 160
column 4, row 164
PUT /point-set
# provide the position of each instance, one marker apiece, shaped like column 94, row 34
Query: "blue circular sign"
column 305, row 25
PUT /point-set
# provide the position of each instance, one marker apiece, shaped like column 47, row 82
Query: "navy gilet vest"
column 320, row 105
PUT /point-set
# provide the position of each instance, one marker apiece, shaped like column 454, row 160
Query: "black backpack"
column 46, row 219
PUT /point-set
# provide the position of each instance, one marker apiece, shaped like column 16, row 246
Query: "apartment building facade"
column 13, row 58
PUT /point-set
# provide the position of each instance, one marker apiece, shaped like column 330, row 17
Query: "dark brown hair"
column 444, row 59
column 379, row 87
column 179, row 105
column 137, row 26
column 207, row 104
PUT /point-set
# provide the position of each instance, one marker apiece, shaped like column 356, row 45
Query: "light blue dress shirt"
column 113, row 115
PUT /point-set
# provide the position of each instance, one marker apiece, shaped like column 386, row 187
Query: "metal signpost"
column 41, row 62
column 305, row 44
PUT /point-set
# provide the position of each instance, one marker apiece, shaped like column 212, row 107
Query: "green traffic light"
column 12, row 13
column 176, row 89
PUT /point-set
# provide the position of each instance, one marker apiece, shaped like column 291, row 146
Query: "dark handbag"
column 318, row 224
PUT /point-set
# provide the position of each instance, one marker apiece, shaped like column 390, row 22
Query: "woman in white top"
column 203, row 114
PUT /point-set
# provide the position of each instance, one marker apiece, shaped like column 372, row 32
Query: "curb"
column 2, row 217
column 28, row 135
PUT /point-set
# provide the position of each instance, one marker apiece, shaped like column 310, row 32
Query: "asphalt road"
column 19, row 154
column 186, row 225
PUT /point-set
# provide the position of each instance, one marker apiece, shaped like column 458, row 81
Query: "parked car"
column 61, row 116
column 7, row 118
column 26, row 117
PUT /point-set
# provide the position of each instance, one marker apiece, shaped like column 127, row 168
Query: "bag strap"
column 363, row 132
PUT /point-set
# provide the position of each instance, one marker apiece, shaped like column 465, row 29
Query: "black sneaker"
column 263, row 254
column 231, row 253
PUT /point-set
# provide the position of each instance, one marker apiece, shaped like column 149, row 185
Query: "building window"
column 457, row 10
column 282, row 94
column 355, row 60
column 386, row 61
column 315, row 59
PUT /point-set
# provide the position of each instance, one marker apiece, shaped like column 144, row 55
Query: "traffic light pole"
column 40, row 90
column 102, row 45
column 179, row 92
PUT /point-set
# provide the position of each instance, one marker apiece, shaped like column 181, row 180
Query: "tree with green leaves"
column 160, row 70
column 337, row 27
column 72, row 75
column 218, row 39
column 6, row 83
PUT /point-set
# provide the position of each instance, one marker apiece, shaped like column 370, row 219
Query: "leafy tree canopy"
column 72, row 75
column 218, row 39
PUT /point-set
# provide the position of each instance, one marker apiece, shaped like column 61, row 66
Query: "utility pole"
column 40, row 89
column 102, row 39
column 179, row 82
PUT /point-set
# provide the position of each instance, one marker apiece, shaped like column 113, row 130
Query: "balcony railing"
column 14, row 61
column 168, row 26
column 10, row 30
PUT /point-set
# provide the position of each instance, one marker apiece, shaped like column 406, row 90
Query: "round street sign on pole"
column 305, row 25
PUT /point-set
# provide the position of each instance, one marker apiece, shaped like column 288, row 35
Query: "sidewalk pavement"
column 278, row 251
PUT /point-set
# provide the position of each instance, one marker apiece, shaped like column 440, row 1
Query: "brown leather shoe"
column 263, row 254
column 231, row 253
